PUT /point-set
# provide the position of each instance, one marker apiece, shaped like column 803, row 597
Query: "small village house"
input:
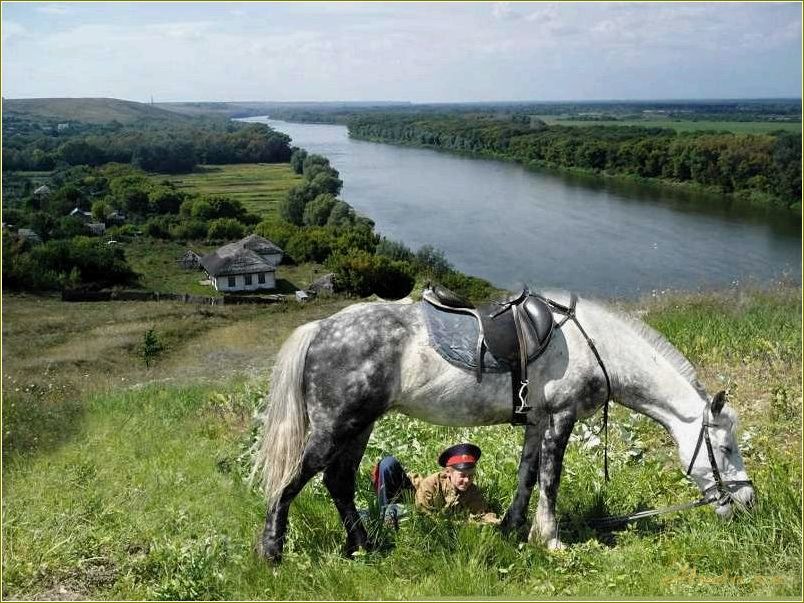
column 246, row 265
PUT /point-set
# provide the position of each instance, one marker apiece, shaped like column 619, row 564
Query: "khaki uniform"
column 435, row 493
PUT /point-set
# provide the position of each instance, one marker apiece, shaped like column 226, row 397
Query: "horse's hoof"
column 269, row 554
column 516, row 530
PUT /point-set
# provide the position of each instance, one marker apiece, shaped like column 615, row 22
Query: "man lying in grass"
column 450, row 491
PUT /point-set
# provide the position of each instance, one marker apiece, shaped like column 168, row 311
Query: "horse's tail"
column 278, row 451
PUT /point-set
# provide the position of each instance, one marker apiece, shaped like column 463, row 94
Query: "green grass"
column 135, row 491
column 737, row 127
column 258, row 186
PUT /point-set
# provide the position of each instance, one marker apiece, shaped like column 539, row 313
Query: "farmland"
column 128, row 483
column 258, row 186
column 679, row 125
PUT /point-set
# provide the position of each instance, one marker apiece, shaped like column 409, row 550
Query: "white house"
column 264, row 248
column 246, row 265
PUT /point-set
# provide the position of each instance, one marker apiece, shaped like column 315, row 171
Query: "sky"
column 405, row 51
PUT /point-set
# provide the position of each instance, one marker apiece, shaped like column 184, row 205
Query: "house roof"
column 255, row 243
column 42, row 190
column 239, row 261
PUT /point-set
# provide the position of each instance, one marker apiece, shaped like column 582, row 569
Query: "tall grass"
column 146, row 498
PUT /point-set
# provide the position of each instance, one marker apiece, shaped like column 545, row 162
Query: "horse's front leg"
column 339, row 478
column 516, row 515
column 554, row 444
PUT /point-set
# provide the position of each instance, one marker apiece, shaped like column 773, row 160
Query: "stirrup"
column 523, row 399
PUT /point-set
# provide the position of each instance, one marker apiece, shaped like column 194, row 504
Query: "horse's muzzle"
column 742, row 499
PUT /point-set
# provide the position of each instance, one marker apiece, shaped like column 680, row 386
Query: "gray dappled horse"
column 333, row 378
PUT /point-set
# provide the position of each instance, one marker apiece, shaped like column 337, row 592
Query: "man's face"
column 461, row 480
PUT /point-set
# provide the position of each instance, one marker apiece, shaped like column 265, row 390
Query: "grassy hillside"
column 128, row 483
column 87, row 110
column 258, row 186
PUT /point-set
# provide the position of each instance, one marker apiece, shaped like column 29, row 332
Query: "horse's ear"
column 718, row 401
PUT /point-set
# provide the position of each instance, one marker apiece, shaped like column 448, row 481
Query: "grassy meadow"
column 127, row 482
column 736, row 127
column 258, row 186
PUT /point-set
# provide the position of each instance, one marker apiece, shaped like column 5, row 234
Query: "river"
column 513, row 225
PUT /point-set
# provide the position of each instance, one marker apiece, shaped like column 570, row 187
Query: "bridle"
column 720, row 492
column 724, row 488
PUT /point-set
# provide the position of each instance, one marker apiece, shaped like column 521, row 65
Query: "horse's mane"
column 658, row 341
column 668, row 351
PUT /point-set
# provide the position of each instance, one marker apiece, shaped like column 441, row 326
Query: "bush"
column 225, row 228
column 160, row 227
column 56, row 263
column 189, row 230
column 361, row 273
column 310, row 245
column 470, row 287
column 431, row 262
column 394, row 250
column 277, row 231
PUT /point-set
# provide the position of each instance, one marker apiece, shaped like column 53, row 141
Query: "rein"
column 721, row 496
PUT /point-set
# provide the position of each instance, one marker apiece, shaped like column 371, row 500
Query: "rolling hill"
column 87, row 110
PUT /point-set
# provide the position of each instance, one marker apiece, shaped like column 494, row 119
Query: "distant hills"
column 86, row 110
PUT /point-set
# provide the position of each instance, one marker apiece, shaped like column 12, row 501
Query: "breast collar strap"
column 569, row 314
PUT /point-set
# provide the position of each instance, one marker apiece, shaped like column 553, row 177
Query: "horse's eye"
column 725, row 450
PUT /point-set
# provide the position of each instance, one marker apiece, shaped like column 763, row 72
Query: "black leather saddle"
column 515, row 330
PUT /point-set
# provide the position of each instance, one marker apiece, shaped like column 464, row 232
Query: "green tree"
column 100, row 209
column 317, row 211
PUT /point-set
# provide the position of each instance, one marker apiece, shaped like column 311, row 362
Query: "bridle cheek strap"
column 724, row 489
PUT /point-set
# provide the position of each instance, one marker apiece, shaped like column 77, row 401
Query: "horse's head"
column 716, row 465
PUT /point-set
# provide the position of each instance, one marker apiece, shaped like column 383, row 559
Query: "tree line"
column 764, row 169
column 159, row 147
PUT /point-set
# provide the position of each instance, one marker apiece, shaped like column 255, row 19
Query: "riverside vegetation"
column 761, row 169
column 127, row 482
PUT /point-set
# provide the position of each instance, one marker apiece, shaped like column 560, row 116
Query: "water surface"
column 513, row 225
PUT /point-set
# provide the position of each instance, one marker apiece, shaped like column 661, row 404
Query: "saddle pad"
column 454, row 337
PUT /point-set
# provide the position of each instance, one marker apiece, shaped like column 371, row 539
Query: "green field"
column 258, row 186
column 126, row 482
column 737, row 127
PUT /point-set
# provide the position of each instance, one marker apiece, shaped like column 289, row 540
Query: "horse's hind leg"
column 515, row 516
column 318, row 453
column 554, row 444
column 339, row 478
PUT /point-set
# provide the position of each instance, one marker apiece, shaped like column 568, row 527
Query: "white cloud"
column 12, row 29
column 53, row 9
